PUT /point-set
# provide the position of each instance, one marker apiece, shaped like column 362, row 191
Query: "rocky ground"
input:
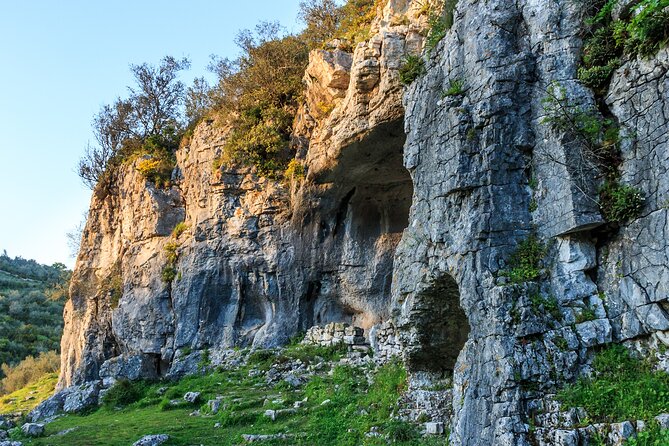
column 301, row 394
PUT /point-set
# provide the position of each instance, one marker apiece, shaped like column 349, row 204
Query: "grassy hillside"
column 30, row 321
column 340, row 404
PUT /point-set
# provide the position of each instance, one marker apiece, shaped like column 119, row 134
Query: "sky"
column 60, row 61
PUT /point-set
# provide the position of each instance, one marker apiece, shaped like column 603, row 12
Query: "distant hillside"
column 31, row 314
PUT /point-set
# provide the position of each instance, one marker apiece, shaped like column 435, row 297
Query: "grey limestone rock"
column 192, row 397
column 33, row 429
column 411, row 208
column 152, row 440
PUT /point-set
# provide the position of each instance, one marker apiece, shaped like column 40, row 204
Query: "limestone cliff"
column 412, row 205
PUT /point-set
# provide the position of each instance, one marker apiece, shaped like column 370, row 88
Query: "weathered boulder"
column 32, row 429
column 192, row 397
column 81, row 397
column 152, row 440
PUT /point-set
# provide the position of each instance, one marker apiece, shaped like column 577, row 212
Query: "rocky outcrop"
column 504, row 175
column 413, row 204
column 254, row 261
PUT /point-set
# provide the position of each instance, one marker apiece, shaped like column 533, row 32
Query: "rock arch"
column 438, row 328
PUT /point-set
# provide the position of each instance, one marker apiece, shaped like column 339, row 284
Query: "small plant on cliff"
column 179, row 229
column 411, row 69
column 455, row 88
column 439, row 22
column 619, row 202
column 525, row 261
column 295, row 170
column 169, row 272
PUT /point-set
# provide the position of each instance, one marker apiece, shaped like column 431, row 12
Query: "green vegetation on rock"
column 525, row 262
column 339, row 405
column 411, row 69
column 622, row 388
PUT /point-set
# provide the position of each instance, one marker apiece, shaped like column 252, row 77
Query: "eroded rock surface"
column 412, row 206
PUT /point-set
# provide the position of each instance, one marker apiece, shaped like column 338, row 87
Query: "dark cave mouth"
column 367, row 209
column 442, row 328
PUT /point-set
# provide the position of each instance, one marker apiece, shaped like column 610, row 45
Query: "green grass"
column 623, row 388
column 25, row 399
column 355, row 406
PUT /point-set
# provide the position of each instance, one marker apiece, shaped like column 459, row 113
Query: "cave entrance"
column 441, row 328
column 363, row 210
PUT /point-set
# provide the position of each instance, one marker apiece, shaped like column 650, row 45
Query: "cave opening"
column 366, row 209
column 442, row 328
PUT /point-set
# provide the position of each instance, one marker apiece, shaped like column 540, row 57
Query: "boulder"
column 192, row 397
column 33, row 429
column 82, row 397
column 152, row 440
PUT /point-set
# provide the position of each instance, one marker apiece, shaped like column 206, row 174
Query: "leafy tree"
column 258, row 95
column 154, row 109
column 322, row 17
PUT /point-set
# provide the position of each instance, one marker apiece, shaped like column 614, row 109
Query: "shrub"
column 596, row 138
column 295, row 170
column 622, row 388
column 28, row 371
column 412, row 67
column 597, row 77
column 648, row 31
column 179, row 229
column 124, row 393
column 455, row 87
column 619, row 202
column 525, row 261
column 356, row 19
column 257, row 95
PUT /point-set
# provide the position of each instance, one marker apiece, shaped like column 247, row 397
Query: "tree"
column 153, row 109
column 258, row 94
column 198, row 100
column 322, row 18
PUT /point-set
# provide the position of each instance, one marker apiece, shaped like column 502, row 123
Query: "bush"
column 648, row 31
column 412, row 67
column 622, row 388
column 619, row 202
column 123, row 393
column 29, row 370
column 525, row 261
column 257, row 95
column 294, row 171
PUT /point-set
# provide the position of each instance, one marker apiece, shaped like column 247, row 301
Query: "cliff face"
column 412, row 206
column 259, row 260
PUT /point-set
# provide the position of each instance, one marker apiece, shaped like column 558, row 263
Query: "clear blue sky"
column 60, row 62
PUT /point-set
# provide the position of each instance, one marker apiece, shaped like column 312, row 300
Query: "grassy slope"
column 355, row 406
column 24, row 400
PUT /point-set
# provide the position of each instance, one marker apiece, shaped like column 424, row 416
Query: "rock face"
column 259, row 260
column 412, row 207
